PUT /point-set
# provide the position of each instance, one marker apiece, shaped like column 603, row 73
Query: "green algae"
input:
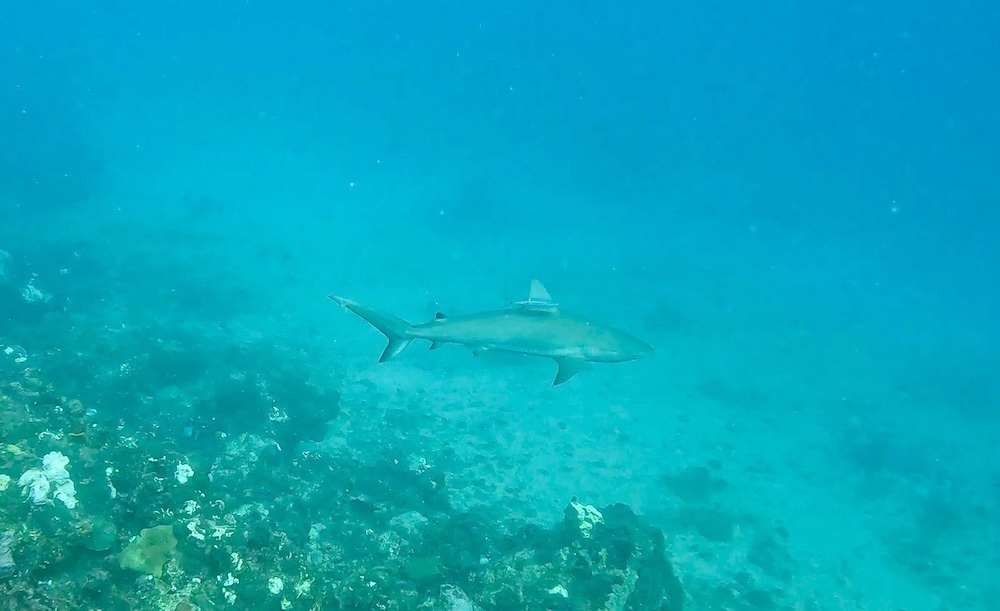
column 150, row 550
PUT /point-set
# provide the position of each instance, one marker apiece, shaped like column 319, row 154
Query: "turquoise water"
column 794, row 204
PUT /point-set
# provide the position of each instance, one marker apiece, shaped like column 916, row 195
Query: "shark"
column 535, row 326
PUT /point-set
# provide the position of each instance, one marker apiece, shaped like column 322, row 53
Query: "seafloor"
column 218, row 462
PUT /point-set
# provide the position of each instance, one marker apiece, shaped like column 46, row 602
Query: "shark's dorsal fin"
column 538, row 298
column 538, row 292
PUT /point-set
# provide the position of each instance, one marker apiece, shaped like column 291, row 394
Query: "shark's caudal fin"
column 395, row 329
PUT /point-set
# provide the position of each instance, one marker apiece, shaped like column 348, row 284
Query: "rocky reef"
column 125, row 488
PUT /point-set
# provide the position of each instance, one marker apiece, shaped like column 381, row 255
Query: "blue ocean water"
column 794, row 203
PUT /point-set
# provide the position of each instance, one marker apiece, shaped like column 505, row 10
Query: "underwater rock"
column 245, row 457
column 409, row 524
column 300, row 410
column 708, row 522
column 150, row 550
column 102, row 535
column 620, row 564
column 423, row 569
column 454, row 599
column 694, row 484
column 6, row 557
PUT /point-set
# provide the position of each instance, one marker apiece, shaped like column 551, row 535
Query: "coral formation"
column 50, row 483
column 150, row 551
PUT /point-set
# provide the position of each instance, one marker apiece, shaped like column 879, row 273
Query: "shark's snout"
column 638, row 349
column 619, row 347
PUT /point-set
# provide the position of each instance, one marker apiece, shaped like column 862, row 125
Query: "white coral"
column 32, row 294
column 587, row 516
column 51, row 482
column 183, row 472
column 35, row 486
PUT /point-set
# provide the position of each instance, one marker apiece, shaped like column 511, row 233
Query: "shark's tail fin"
column 395, row 329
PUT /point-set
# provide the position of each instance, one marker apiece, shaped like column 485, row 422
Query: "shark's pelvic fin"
column 568, row 367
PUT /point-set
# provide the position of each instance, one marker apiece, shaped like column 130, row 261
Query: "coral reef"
column 226, row 501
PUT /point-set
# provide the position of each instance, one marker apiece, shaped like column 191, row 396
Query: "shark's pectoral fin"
column 436, row 345
column 568, row 367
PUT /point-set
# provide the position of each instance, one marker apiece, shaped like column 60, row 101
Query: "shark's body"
column 534, row 327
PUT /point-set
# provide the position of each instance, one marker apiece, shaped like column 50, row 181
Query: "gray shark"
column 533, row 327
